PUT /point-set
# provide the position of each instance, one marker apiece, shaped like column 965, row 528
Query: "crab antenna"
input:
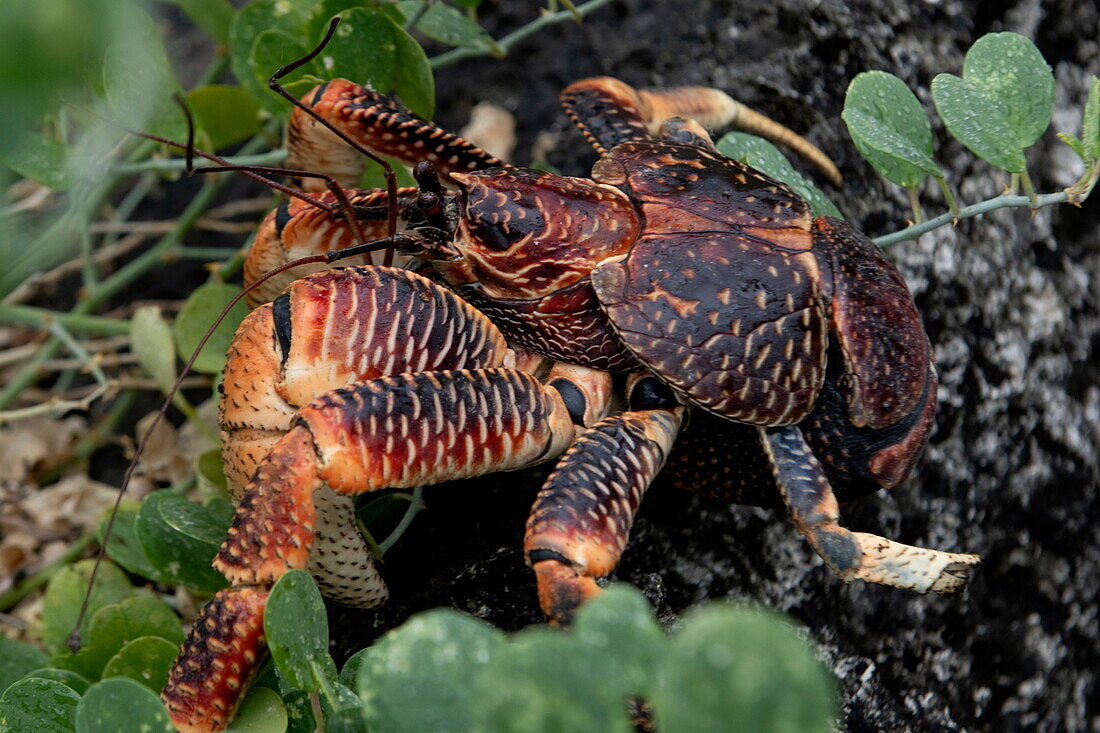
column 342, row 201
column 391, row 177
column 74, row 641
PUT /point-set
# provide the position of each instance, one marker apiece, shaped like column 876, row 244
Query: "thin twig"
column 510, row 40
column 56, row 406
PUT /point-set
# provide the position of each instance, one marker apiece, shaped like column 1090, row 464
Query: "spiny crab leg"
column 854, row 555
column 610, row 112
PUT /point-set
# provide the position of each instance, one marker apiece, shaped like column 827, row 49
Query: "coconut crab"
column 792, row 341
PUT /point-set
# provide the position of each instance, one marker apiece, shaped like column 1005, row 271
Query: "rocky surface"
column 1009, row 300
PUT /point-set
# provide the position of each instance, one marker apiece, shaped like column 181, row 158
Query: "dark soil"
column 1010, row 302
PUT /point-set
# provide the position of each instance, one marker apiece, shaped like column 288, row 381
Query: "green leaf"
column 977, row 122
column 226, row 114
column 1002, row 103
column 296, row 628
column 1077, row 146
column 121, row 704
column 889, row 127
column 732, row 668
column 446, row 24
column 70, row 679
column 261, row 712
column 39, row 705
column 200, row 310
column 42, row 158
column 212, row 482
column 124, row 547
column 151, row 342
column 1090, row 125
column 181, row 538
column 299, row 712
column 762, row 155
column 1010, row 70
column 423, row 675
column 16, row 659
column 114, row 626
column 248, row 23
column 618, row 626
column 273, row 49
column 213, row 16
column 369, row 48
column 139, row 83
column 65, row 594
column 146, row 659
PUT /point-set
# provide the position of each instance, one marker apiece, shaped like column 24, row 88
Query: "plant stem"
column 43, row 318
column 948, row 196
column 39, row 579
column 416, row 503
column 914, row 204
column 1029, row 190
column 170, row 165
column 506, row 43
column 998, row 202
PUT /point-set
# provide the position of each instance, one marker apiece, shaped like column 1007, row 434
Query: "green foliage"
column 146, row 659
column 261, row 711
column 16, row 659
column 200, row 310
column 889, row 128
column 65, row 594
column 296, row 628
column 761, row 154
column 1003, row 101
column 121, row 704
column 445, row 671
column 180, row 538
column 40, row 705
column 112, row 629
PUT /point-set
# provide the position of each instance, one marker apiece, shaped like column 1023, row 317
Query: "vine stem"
column 162, row 165
column 39, row 579
column 998, row 202
column 505, row 43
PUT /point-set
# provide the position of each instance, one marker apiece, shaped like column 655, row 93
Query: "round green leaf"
column 116, row 625
column 978, row 122
column 423, row 675
column 524, row 687
column 181, row 538
column 618, row 627
column 889, row 127
column 146, row 659
column 732, row 668
column 299, row 712
column 273, row 49
column 248, row 23
column 16, row 659
column 261, row 712
column 65, row 594
column 42, row 158
column 123, row 547
column 226, row 114
column 1010, row 70
column 70, row 679
column 762, row 155
column 121, row 704
column 296, row 627
column 445, row 24
column 151, row 342
column 213, row 16
column 39, row 705
column 200, row 310
column 211, row 475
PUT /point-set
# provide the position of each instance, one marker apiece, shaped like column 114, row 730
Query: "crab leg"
column 853, row 555
column 378, row 123
column 610, row 112
column 580, row 522
column 297, row 229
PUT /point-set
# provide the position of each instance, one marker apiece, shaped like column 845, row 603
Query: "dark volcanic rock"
column 1009, row 300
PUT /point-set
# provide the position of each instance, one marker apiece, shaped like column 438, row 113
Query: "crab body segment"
column 710, row 285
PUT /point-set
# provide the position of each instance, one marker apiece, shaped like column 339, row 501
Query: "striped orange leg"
column 379, row 124
column 582, row 517
column 610, row 112
column 853, row 555
column 402, row 431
